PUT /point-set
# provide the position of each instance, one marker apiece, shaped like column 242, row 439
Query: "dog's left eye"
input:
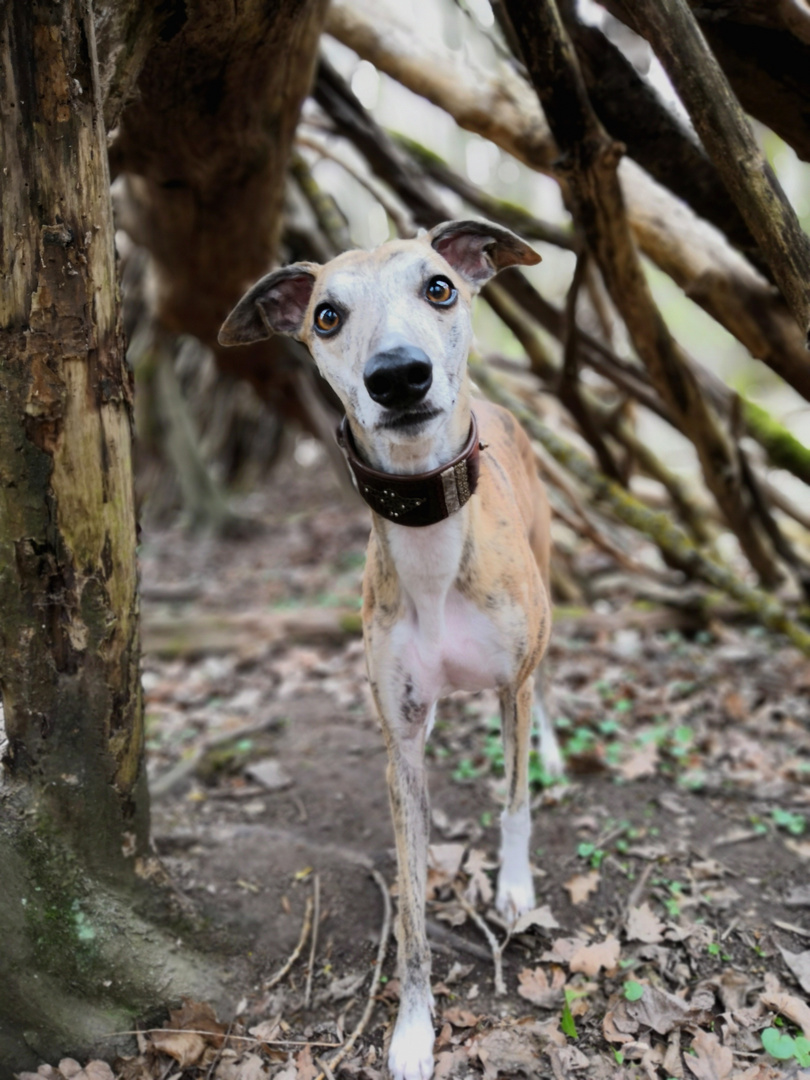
column 327, row 320
column 440, row 292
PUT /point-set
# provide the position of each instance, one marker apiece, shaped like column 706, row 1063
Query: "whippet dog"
column 456, row 585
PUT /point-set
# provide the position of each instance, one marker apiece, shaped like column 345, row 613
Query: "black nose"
column 399, row 377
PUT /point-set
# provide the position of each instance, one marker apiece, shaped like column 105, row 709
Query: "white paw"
column 410, row 1056
column 515, row 896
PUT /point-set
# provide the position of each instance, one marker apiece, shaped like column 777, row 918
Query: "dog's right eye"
column 440, row 292
column 327, row 320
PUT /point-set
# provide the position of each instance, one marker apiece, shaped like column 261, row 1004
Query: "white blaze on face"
column 380, row 298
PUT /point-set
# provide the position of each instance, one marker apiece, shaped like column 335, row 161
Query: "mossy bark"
column 77, row 959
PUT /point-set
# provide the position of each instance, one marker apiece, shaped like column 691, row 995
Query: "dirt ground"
column 672, row 865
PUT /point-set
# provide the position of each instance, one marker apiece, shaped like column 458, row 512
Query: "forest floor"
column 672, row 933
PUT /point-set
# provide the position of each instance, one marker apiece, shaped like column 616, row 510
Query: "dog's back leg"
column 549, row 748
column 515, row 885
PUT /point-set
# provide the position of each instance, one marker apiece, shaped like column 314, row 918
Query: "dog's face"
column 389, row 329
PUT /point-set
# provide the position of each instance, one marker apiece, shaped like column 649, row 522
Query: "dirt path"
column 672, row 867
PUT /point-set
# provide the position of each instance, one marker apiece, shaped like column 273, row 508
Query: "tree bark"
column 205, row 146
column 75, row 819
column 764, row 50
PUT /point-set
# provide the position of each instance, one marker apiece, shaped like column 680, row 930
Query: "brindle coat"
column 461, row 604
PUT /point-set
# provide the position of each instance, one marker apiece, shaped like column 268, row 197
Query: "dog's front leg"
column 406, row 725
column 515, row 885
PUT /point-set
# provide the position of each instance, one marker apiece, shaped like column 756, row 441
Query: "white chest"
column 444, row 642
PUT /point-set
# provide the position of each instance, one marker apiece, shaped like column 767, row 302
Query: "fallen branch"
column 204, row 634
column 446, row 938
column 160, row 787
column 650, row 523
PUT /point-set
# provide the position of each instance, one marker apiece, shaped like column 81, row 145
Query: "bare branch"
column 500, row 106
column 589, row 164
column 672, row 31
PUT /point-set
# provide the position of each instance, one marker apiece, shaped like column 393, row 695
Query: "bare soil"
column 686, row 800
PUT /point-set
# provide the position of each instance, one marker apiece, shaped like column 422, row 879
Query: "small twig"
column 305, row 928
column 582, row 521
column 492, row 941
column 375, row 980
column 324, row 1064
column 303, row 816
column 316, row 888
column 398, row 215
column 229, row 1037
column 640, row 886
column 732, row 926
column 218, row 1054
column 791, row 928
column 175, row 774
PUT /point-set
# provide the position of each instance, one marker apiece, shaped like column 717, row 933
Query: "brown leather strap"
column 422, row 499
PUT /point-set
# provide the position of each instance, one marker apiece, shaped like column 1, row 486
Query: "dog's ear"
column 478, row 249
column 275, row 305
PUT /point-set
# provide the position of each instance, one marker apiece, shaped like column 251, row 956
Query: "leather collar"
column 421, row 499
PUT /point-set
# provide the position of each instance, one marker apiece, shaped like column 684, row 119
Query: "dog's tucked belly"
column 451, row 647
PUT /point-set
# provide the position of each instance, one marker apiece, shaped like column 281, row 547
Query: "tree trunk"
column 205, row 147
column 79, row 961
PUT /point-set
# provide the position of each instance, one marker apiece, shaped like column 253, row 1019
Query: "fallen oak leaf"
column 186, row 1047
column 539, row 916
column 460, row 1018
column 267, row 1031
column 252, row 1067
column 449, row 1061
column 197, row 1016
column 305, row 1068
column 791, row 1007
column 641, row 763
column 444, row 863
column 536, row 988
column 663, row 1012
column 644, row 925
column 580, row 886
column 617, row 1026
column 563, row 949
column 799, row 964
column 590, row 959
column 711, row 1060
column 507, row 1050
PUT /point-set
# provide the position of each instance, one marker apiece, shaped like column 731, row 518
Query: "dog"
column 456, row 585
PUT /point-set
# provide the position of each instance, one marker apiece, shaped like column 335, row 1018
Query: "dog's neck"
column 407, row 455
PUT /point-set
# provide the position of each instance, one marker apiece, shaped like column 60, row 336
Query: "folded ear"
column 275, row 305
column 478, row 250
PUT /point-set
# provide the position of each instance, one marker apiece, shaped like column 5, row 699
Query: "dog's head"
column 389, row 329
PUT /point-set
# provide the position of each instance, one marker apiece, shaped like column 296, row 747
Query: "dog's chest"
column 445, row 641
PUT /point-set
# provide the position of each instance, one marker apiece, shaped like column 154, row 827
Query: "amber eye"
column 327, row 320
column 440, row 291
